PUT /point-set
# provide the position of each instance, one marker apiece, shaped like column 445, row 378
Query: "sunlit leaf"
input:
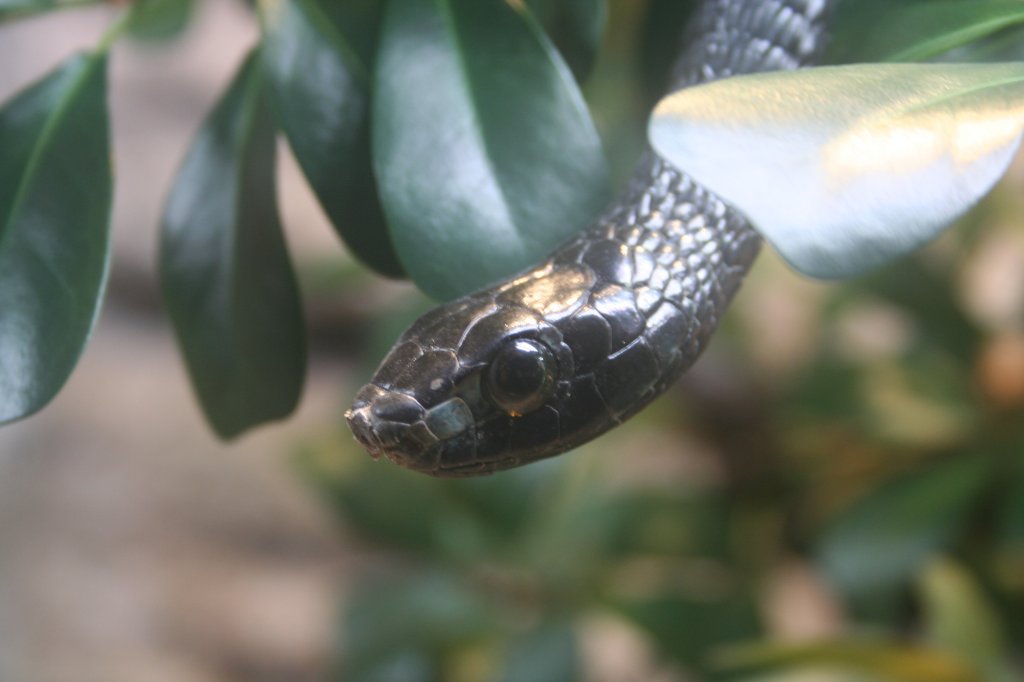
column 845, row 168
column 159, row 20
column 55, row 199
column 960, row 620
column 484, row 149
column 225, row 272
column 882, row 539
column 880, row 660
column 902, row 31
column 320, row 91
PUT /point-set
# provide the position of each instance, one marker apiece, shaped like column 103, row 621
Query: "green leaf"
column 16, row 9
column 883, row 538
column 687, row 629
column 845, row 168
column 575, row 28
column 485, row 152
column 549, row 653
column 226, row 277
column 359, row 21
column 960, row 620
column 1005, row 46
column 661, row 42
column 889, row 662
column 427, row 612
column 1012, row 517
column 55, row 199
column 319, row 88
column 894, row 31
column 160, row 20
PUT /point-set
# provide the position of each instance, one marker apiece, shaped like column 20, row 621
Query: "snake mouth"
column 396, row 426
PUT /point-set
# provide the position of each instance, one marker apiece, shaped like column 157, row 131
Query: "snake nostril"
column 360, row 422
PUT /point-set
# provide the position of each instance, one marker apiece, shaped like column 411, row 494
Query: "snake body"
column 561, row 353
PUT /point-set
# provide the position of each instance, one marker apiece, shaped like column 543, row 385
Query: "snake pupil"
column 521, row 376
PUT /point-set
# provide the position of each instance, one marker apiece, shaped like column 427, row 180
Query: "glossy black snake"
column 559, row 354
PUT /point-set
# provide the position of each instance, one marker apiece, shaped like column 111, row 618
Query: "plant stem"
column 116, row 29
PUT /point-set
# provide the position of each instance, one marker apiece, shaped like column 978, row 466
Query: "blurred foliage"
column 882, row 470
column 880, row 467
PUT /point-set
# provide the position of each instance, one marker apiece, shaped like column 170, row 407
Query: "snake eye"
column 521, row 376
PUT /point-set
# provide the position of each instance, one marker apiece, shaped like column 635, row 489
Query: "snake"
column 564, row 351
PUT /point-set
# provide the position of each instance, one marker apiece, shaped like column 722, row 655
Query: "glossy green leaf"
column 879, row 660
column 159, row 20
column 548, row 653
column 226, row 277
column 883, row 538
column 484, row 149
column 319, row 88
column 845, row 168
column 55, row 199
column 905, row 31
column 575, row 27
column 961, row 621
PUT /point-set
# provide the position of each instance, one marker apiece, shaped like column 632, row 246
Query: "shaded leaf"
column 55, row 199
column 661, row 42
column 225, row 273
column 845, row 168
column 511, row 166
column 548, row 653
column 880, row 660
column 1005, row 46
column 15, row 9
column 575, row 28
column 960, row 620
column 425, row 612
column 887, row 535
column 1012, row 517
column 358, row 21
column 439, row 528
column 902, row 31
column 688, row 629
column 929, row 297
column 160, row 20
column 319, row 89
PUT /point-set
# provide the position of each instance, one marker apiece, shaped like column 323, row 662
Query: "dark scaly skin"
column 615, row 315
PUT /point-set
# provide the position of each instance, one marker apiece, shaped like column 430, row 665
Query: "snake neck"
column 678, row 249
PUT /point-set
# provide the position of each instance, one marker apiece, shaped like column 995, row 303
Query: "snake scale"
column 560, row 353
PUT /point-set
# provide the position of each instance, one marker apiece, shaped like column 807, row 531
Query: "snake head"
column 479, row 384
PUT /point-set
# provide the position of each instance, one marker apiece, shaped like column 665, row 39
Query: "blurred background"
column 837, row 486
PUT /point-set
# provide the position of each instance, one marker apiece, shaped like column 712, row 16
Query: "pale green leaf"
column 845, row 168
column 880, row 660
column 961, row 620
